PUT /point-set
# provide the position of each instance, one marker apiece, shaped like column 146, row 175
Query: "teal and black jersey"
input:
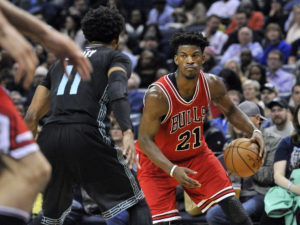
column 77, row 101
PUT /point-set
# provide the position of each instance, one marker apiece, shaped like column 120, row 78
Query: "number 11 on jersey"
column 65, row 80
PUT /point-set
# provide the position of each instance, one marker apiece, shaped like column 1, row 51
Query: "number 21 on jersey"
column 185, row 142
column 64, row 81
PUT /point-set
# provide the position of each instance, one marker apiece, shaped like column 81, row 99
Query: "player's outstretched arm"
column 19, row 49
column 61, row 45
column 156, row 106
column 38, row 108
column 236, row 117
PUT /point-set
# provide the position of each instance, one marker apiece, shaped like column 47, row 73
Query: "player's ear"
column 176, row 59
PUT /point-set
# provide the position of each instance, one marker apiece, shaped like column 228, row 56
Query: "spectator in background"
column 242, row 18
column 72, row 29
column 267, row 93
column 294, row 29
column 235, row 66
column 135, row 25
column 79, row 8
column 276, row 14
column 210, row 65
column 257, row 72
column 282, row 125
column 276, row 75
column 161, row 14
column 245, row 36
column 274, row 40
column 251, row 90
column 295, row 52
column 146, row 68
column 216, row 38
column 231, row 80
column 253, row 188
column 294, row 100
column 246, row 61
column 223, row 8
column 255, row 21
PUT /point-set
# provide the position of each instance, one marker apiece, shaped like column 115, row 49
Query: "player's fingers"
column 63, row 64
column 187, row 170
column 84, row 68
column 191, row 183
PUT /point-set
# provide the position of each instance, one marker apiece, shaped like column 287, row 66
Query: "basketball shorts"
column 15, row 138
column 160, row 188
column 79, row 157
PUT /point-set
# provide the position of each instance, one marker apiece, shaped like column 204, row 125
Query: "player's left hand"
column 129, row 149
column 257, row 138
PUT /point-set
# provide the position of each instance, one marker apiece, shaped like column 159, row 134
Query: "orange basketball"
column 241, row 157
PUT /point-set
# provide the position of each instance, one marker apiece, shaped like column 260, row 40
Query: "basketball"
column 241, row 157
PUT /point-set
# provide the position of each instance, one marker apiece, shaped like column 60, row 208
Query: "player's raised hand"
column 63, row 47
column 181, row 175
column 20, row 50
column 129, row 149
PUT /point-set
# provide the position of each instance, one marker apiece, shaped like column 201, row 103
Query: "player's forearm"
column 240, row 121
column 149, row 147
column 24, row 22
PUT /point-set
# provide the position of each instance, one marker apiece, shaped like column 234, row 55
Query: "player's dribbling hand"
column 180, row 174
column 258, row 138
column 129, row 149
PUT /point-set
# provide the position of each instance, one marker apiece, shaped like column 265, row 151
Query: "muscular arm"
column 236, row 117
column 38, row 108
column 156, row 106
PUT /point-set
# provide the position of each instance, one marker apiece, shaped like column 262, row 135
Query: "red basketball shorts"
column 15, row 138
column 160, row 188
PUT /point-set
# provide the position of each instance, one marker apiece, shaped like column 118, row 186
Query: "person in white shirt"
column 216, row 38
column 223, row 8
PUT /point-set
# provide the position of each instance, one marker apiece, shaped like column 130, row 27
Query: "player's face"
column 189, row 60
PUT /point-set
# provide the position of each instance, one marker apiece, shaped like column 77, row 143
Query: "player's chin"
column 190, row 75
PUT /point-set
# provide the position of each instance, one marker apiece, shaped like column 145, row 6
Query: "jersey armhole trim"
column 168, row 98
column 206, row 86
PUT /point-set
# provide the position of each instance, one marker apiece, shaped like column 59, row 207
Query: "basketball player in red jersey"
column 24, row 171
column 171, row 147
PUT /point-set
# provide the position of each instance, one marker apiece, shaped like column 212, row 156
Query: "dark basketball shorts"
column 79, row 157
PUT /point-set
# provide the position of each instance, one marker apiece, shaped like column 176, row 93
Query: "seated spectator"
column 295, row 52
column 255, row 21
column 246, row 61
column 276, row 14
column 286, row 160
column 293, row 32
column 294, row 99
column 135, row 25
column 251, row 93
column 280, row 117
column 242, row 18
column 194, row 10
column 231, row 80
column 146, row 68
column 256, row 186
column 257, row 72
column 274, row 40
column 276, row 75
column 215, row 37
column 210, row 65
column 160, row 14
column 235, row 66
column 223, row 8
column 267, row 93
column 245, row 41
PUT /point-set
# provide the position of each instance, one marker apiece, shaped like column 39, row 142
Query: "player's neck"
column 96, row 44
column 186, row 87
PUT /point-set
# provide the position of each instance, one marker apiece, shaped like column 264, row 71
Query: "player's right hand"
column 181, row 175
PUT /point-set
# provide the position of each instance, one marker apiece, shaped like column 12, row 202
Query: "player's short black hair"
column 102, row 24
column 188, row 38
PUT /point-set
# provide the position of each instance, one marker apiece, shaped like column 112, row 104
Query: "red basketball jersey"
column 181, row 132
column 15, row 138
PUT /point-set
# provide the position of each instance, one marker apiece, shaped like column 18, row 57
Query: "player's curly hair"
column 102, row 24
column 188, row 38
